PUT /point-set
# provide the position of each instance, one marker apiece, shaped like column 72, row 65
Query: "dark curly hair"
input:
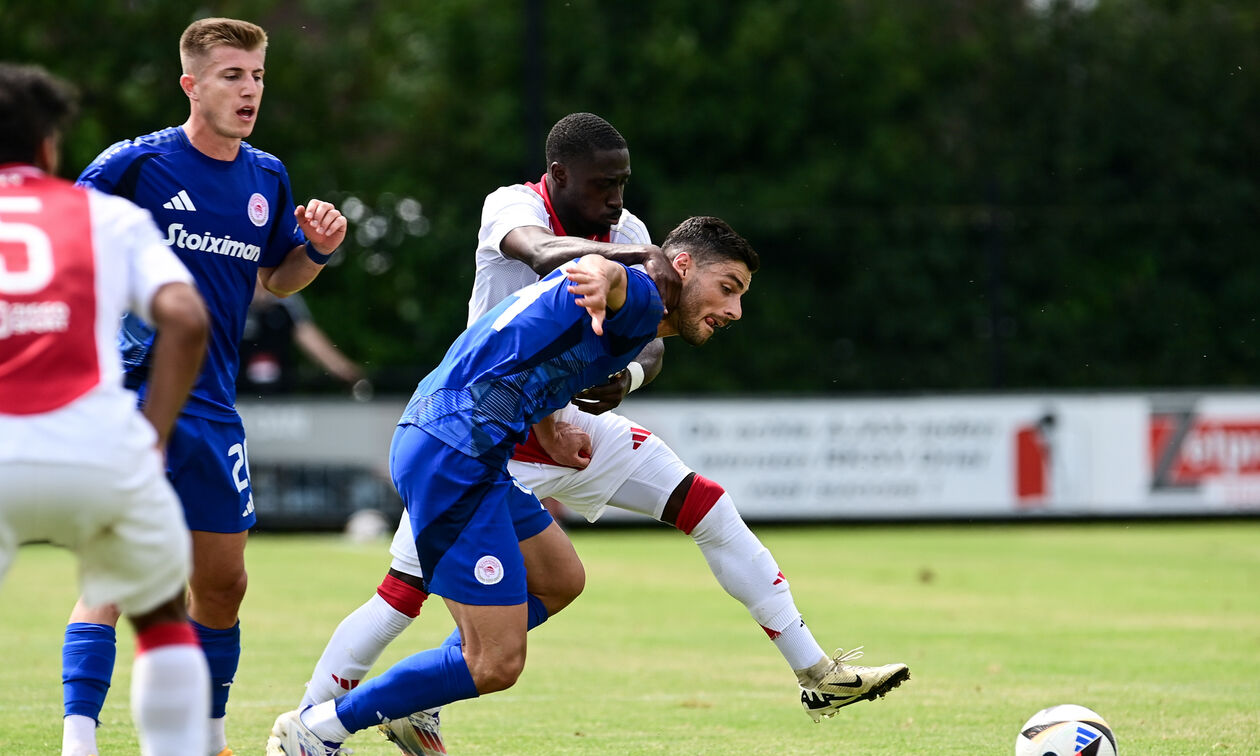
column 34, row 105
column 708, row 239
column 581, row 135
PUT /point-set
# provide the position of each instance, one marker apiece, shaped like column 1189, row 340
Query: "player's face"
column 229, row 89
column 592, row 194
column 710, row 298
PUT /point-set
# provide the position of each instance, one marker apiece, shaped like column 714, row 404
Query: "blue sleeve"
column 104, row 172
column 642, row 312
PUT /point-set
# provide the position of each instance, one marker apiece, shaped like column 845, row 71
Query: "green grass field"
column 1155, row 625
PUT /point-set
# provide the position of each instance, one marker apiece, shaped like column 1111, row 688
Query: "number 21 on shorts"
column 240, row 453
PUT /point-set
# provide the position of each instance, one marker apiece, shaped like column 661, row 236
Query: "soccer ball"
column 1065, row 730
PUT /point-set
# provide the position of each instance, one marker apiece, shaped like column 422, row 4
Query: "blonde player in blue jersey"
column 511, row 369
column 227, row 211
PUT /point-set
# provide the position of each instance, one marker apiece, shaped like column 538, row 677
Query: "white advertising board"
column 932, row 457
column 903, row 458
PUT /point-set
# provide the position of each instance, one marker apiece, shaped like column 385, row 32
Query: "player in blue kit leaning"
column 226, row 209
column 511, row 369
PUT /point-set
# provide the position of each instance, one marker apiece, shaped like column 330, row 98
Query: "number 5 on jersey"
column 33, row 240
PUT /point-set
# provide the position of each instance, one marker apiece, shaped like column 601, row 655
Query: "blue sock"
column 87, row 664
column 223, row 654
column 537, row 612
column 537, row 615
column 421, row 681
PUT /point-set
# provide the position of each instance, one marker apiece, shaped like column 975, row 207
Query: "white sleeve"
column 508, row 208
column 629, row 230
column 151, row 264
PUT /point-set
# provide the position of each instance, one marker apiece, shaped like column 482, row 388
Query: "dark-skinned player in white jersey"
column 577, row 208
column 511, row 369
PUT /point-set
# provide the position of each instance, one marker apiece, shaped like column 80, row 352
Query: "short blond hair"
column 200, row 36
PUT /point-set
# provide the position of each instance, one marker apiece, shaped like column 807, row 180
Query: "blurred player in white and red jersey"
column 227, row 211
column 576, row 208
column 80, row 465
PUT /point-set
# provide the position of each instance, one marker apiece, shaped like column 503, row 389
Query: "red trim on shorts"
column 165, row 634
column 701, row 497
column 407, row 599
column 531, row 451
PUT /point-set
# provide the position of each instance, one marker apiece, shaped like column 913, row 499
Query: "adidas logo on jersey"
column 180, row 201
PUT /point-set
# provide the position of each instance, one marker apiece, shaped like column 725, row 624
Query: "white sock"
column 354, row 647
column 217, row 735
column 322, row 720
column 798, row 646
column 748, row 572
column 78, row 735
column 170, row 700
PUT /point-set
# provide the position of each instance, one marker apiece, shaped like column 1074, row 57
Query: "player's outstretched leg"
column 837, row 684
column 362, row 636
column 749, row 573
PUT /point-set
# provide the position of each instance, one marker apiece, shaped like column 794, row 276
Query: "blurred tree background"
column 952, row 195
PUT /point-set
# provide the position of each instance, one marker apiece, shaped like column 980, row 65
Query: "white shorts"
column 630, row 469
column 126, row 526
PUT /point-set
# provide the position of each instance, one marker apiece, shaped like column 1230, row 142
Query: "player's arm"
column 543, row 251
column 600, row 285
column 642, row 371
column 325, row 229
column 564, row 442
column 312, row 340
column 179, row 315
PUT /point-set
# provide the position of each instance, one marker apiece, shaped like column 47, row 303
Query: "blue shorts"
column 468, row 519
column 206, row 463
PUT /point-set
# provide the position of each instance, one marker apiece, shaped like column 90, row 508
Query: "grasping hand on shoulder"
column 657, row 265
column 600, row 285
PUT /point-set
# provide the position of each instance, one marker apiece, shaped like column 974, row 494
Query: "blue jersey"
column 526, row 358
column 224, row 219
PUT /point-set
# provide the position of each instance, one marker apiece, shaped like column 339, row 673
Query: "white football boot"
column 832, row 684
column 418, row 735
column 289, row 737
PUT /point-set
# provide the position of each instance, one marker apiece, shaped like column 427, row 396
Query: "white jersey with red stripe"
column 620, row 449
column 72, row 261
column 511, row 207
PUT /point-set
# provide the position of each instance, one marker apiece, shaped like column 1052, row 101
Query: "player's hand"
column 599, row 399
column 594, row 279
column 667, row 280
column 567, row 444
column 324, row 225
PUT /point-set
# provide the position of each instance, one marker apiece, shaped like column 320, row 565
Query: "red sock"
column 407, row 599
column 165, row 634
column 701, row 497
